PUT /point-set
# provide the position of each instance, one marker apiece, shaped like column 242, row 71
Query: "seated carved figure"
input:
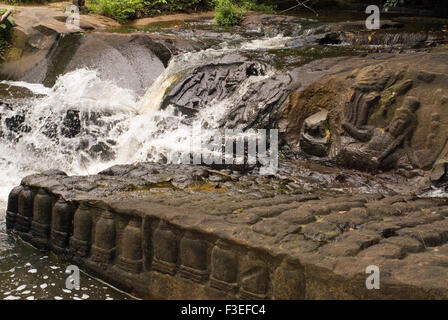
column 382, row 148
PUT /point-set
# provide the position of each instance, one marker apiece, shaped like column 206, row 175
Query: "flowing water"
column 82, row 125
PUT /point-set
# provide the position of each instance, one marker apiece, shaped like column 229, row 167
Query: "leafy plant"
column 392, row 3
column 6, row 25
column 123, row 10
column 4, row 33
column 14, row 2
column 251, row 5
column 120, row 10
column 227, row 13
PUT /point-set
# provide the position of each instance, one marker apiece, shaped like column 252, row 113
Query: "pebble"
column 21, row 287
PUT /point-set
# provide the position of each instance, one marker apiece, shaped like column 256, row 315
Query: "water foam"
column 36, row 149
column 35, row 88
column 112, row 118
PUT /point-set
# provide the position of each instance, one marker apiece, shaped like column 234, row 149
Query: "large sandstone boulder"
column 45, row 46
column 248, row 91
column 38, row 32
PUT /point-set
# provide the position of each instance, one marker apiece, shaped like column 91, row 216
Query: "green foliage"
column 251, row 5
column 120, row 10
column 181, row 5
column 5, row 26
column 227, row 13
column 392, row 3
column 123, row 10
column 5, row 33
column 15, row 2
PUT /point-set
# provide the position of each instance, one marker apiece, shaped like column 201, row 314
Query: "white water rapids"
column 128, row 127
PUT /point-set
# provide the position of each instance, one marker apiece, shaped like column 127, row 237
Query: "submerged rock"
column 249, row 93
column 71, row 126
column 212, row 82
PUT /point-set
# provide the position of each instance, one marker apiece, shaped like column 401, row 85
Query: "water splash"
column 84, row 124
column 35, row 88
column 36, row 133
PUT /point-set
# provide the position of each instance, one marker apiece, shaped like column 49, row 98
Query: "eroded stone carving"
column 369, row 82
column 13, row 207
column 435, row 144
column 373, row 133
column 224, row 267
column 388, row 118
column 382, row 142
column 61, row 225
column 82, row 230
column 166, row 250
column 193, row 258
column 40, row 226
column 315, row 135
column 103, row 248
column 356, row 115
column 288, row 282
column 131, row 252
column 254, row 278
column 25, row 211
column 383, row 223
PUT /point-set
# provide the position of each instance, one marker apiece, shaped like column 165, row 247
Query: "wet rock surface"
column 37, row 32
column 253, row 89
column 362, row 141
column 44, row 47
column 148, row 227
column 390, row 116
column 130, row 60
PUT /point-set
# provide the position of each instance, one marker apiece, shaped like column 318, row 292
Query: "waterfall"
column 35, row 133
column 84, row 124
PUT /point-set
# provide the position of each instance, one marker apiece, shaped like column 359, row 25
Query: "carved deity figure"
column 383, row 142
